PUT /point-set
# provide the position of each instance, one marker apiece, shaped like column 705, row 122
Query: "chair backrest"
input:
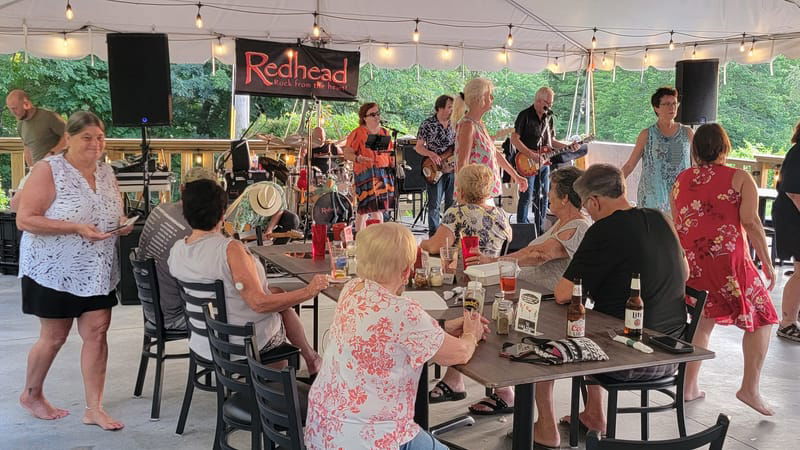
column 713, row 436
column 146, row 279
column 230, row 364
column 195, row 319
column 278, row 401
column 523, row 234
column 694, row 311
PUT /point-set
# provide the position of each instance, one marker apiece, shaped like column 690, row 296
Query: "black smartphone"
column 130, row 221
column 671, row 344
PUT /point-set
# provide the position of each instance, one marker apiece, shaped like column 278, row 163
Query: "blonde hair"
column 473, row 92
column 474, row 183
column 384, row 250
column 544, row 90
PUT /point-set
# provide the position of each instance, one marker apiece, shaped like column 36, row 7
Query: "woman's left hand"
column 455, row 327
column 769, row 272
column 522, row 183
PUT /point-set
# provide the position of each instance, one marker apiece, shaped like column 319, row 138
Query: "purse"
column 557, row 352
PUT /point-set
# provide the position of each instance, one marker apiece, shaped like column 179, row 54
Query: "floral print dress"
column 484, row 152
column 363, row 397
column 706, row 218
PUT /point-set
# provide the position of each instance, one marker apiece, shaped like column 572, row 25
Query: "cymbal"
column 295, row 140
column 270, row 139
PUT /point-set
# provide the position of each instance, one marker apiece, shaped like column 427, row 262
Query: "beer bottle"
column 576, row 313
column 634, row 311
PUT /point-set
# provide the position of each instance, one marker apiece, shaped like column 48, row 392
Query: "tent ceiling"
column 474, row 31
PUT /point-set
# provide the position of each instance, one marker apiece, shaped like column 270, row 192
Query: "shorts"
column 644, row 373
column 49, row 303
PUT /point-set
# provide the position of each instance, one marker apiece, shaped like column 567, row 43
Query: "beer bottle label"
column 576, row 328
column 577, row 291
column 633, row 319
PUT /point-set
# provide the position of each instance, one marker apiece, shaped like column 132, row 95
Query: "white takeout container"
column 487, row 274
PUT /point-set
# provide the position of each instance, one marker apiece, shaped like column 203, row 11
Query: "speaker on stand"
column 697, row 82
column 412, row 183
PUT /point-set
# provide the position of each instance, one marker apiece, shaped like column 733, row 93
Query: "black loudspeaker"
column 241, row 155
column 127, row 293
column 696, row 82
column 139, row 79
column 414, row 181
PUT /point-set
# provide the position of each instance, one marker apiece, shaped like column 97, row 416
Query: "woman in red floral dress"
column 713, row 207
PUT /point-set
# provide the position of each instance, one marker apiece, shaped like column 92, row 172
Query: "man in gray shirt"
column 164, row 227
column 42, row 131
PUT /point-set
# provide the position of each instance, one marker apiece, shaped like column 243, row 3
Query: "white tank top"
column 68, row 262
column 205, row 261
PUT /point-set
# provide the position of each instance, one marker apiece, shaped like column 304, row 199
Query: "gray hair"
column 82, row 119
column 563, row 182
column 603, row 180
column 542, row 92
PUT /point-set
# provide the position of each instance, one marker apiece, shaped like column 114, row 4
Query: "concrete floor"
column 18, row 430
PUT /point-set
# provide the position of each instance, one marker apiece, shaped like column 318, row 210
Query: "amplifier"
column 413, row 181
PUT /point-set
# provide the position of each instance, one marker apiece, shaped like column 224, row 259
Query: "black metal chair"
column 523, row 234
column 235, row 399
column 201, row 369
column 278, row 399
column 714, row 437
column 665, row 385
column 155, row 334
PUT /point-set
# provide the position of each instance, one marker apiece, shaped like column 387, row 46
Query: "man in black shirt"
column 322, row 151
column 434, row 137
column 533, row 129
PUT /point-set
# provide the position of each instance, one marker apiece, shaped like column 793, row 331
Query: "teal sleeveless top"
column 662, row 160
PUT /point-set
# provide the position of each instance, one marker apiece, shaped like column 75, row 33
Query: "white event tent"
column 554, row 35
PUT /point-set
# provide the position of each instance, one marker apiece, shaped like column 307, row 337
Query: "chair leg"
column 221, row 432
column 645, row 423
column 679, row 407
column 611, row 414
column 316, row 322
column 574, row 421
column 137, row 390
column 155, row 412
column 187, row 396
column 437, row 371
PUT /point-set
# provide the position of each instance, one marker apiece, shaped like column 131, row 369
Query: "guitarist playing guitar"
column 533, row 134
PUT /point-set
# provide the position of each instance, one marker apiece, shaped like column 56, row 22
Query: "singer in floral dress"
column 714, row 208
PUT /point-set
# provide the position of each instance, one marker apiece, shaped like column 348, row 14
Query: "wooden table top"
column 489, row 369
column 294, row 258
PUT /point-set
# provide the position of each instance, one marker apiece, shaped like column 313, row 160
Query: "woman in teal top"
column 664, row 151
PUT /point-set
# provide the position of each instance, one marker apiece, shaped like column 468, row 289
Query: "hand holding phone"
column 127, row 223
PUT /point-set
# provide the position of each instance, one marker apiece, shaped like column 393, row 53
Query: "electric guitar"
column 528, row 167
column 432, row 171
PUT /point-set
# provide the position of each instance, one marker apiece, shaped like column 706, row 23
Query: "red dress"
column 706, row 216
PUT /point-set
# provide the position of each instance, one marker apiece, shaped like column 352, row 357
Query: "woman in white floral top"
column 363, row 397
column 474, row 215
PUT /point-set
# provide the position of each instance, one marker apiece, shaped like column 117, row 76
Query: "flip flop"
column 581, row 426
column 536, row 445
column 498, row 407
column 790, row 332
column 448, row 394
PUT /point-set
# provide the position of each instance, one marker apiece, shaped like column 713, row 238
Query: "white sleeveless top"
column 68, row 262
column 205, row 261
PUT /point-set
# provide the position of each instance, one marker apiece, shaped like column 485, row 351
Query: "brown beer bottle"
column 576, row 313
column 634, row 311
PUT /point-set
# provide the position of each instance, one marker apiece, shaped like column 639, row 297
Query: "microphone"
column 386, row 125
column 548, row 111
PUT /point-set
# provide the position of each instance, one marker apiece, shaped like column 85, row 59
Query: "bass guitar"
column 528, row 167
column 432, row 171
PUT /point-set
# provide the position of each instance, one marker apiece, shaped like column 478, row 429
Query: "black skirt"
column 786, row 219
column 49, row 303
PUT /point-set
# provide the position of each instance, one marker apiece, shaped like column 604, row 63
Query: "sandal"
column 447, row 395
column 498, row 407
column 790, row 332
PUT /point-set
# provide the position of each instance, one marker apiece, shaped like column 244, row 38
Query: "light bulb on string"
column 741, row 44
column 70, row 14
column 556, row 63
column 198, row 20
column 415, row 35
column 605, row 60
column 510, row 38
column 65, row 43
column 446, row 54
column 315, row 31
column 594, row 38
column 645, row 55
column 694, row 50
column 752, row 48
column 671, row 42
column 220, row 48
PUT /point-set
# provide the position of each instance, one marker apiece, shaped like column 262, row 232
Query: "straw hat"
column 265, row 199
column 198, row 173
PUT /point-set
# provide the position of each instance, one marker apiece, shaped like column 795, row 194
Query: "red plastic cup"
column 371, row 221
column 337, row 231
column 469, row 247
column 319, row 240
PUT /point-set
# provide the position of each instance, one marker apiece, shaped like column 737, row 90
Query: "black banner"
column 291, row 70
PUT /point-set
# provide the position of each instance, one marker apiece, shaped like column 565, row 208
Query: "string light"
column 69, row 13
column 66, row 40
column 446, row 54
column 741, row 44
column 220, row 47
column 752, row 47
column 694, row 50
column 198, row 20
column 671, row 42
column 510, row 38
column 415, row 35
column 556, row 62
column 604, row 61
column 594, row 37
column 645, row 54
column 315, row 31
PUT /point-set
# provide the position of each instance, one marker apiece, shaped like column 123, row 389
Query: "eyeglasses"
column 586, row 200
column 675, row 104
column 375, row 114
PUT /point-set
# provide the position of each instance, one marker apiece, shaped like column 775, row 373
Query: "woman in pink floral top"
column 363, row 397
column 712, row 205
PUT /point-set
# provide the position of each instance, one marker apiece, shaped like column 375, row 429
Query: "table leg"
column 421, row 404
column 316, row 322
column 522, row 433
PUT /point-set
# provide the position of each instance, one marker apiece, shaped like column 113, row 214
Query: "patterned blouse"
column 68, row 262
column 662, row 160
column 436, row 136
column 363, row 397
column 491, row 225
column 484, row 152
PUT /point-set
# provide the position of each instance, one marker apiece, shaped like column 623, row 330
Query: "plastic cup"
column 319, row 240
column 469, row 247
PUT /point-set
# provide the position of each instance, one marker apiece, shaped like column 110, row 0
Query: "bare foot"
column 546, row 435
column 694, row 394
column 98, row 416
column 39, row 407
column 755, row 402
column 591, row 423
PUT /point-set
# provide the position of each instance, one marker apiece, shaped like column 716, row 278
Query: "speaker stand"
column 145, row 146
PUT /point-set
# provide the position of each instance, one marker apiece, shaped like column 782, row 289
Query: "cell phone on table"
column 671, row 344
column 130, row 221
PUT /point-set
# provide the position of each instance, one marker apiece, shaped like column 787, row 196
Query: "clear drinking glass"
column 508, row 275
column 338, row 262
